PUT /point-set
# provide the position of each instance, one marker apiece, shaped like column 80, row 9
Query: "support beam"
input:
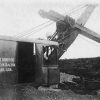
column 52, row 15
column 88, row 33
column 86, row 14
column 43, row 42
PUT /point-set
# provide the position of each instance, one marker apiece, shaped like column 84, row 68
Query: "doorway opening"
column 26, row 63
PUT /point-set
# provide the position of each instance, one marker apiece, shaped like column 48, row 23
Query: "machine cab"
column 50, row 65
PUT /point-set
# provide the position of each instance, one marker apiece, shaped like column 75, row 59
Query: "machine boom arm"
column 68, row 29
column 85, row 16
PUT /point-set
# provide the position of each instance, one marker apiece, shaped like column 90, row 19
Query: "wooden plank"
column 43, row 42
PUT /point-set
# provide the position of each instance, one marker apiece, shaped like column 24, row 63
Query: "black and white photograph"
column 49, row 50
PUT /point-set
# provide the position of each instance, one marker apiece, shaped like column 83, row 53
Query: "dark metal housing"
column 24, row 62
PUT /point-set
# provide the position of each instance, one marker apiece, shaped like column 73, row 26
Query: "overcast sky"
column 17, row 16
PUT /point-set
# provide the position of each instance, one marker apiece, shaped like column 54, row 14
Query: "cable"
column 74, row 10
column 37, row 30
column 34, row 29
column 74, row 13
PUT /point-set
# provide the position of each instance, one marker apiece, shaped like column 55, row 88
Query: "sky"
column 19, row 16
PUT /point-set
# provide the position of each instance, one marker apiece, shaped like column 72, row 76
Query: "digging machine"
column 67, row 29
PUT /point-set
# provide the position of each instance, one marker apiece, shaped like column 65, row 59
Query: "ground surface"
column 30, row 93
